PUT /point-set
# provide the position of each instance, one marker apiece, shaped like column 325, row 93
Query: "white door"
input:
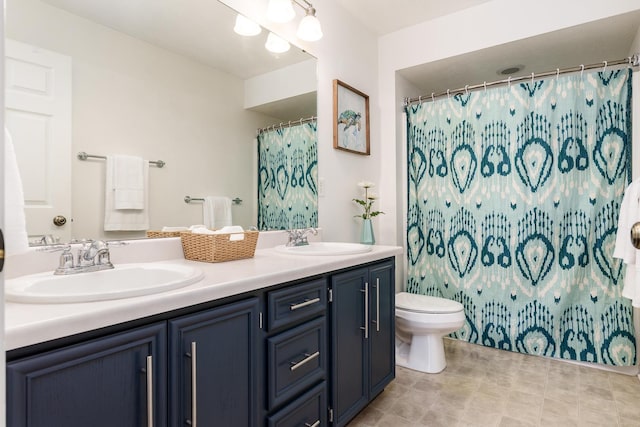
column 38, row 117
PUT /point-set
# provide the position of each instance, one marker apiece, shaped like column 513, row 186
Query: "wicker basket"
column 155, row 234
column 218, row 247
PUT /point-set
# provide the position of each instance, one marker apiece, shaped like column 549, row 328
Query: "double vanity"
column 286, row 338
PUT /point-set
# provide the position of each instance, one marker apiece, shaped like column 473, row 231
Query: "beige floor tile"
column 488, row 387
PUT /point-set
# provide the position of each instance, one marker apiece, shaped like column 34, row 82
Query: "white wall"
column 286, row 82
column 348, row 52
column 130, row 97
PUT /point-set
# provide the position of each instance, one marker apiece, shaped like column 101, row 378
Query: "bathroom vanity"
column 276, row 340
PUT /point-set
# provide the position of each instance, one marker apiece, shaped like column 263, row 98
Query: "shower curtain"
column 514, row 196
column 287, row 177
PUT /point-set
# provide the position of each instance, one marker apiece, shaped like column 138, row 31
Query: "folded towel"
column 236, row 232
column 128, row 178
column 125, row 219
column 15, row 227
column 216, row 212
column 175, row 228
column 202, row 230
column 629, row 215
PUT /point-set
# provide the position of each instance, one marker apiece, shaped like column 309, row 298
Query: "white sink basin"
column 124, row 281
column 324, row 248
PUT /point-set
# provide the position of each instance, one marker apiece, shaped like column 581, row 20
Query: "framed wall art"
column 350, row 119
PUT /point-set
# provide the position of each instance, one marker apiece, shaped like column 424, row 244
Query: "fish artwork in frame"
column 350, row 119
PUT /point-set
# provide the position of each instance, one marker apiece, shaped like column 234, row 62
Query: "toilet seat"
column 426, row 304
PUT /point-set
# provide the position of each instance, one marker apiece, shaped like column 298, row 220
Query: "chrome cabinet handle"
column 308, row 358
column 377, row 304
column 150, row 391
column 366, row 310
column 303, row 304
column 194, row 389
column 316, row 424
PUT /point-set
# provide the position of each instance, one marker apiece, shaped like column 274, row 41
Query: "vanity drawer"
column 296, row 303
column 296, row 360
column 310, row 409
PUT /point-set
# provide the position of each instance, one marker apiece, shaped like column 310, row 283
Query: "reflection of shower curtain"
column 514, row 196
column 288, row 169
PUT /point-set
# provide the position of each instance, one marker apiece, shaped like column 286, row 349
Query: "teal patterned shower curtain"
column 514, row 196
column 287, row 177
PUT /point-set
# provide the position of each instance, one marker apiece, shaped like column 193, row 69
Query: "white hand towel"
column 216, row 212
column 124, row 219
column 15, row 227
column 629, row 215
column 128, row 175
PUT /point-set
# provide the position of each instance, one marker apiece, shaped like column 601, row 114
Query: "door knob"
column 59, row 220
column 635, row 235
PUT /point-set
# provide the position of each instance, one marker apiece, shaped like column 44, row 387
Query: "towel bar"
column 84, row 156
column 189, row 199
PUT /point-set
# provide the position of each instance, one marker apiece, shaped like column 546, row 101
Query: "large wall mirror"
column 160, row 79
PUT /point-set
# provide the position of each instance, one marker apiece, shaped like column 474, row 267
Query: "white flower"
column 365, row 184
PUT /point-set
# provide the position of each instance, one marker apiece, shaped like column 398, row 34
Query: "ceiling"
column 386, row 16
column 199, row 29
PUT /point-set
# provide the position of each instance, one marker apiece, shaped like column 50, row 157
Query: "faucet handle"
column 66, row 259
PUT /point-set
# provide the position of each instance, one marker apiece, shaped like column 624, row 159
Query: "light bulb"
column 309, row 28
column 246, row 27
column 275, row 44
column 280, row 11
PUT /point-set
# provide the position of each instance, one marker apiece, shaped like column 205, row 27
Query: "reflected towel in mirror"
column 15, row 228
column 216, row 212
column 125, row 219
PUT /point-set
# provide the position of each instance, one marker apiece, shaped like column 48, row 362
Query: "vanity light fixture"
column 275, row 44
column 246, row 27
column 281, row 11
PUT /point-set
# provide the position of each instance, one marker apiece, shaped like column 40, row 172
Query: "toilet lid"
column 426, row 303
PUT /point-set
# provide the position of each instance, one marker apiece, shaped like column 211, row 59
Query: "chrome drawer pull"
column 303, row 304
column 316, row 424
column 308, row 358
column 150, row 391
column 366, row 310
column 194, row 388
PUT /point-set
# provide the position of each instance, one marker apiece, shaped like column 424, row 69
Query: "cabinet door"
column 349, row 391
column 382, row 328
column 213, row 359
column 105, row 382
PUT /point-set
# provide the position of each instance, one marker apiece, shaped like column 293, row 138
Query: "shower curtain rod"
column 631, row 61
column 287, row 124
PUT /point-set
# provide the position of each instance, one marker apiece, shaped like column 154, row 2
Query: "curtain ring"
column 485, row 86
column 301, row 119
column 466, row 89
column 509, row 81
column 433, row 99
column 289, row 123
column 420, row 99
column 604, row 69
column 581, row 69
column 448, row 96
column 532, row 78
column 557, row 73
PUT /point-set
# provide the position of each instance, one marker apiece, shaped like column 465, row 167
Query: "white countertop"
column 27, row 324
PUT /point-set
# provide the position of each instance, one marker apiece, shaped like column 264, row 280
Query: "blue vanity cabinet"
column 213, row 375
column 118, row 380
column 362, row 337
column 296, row 355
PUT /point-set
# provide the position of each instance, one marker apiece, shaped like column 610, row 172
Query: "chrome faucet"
column 91, row 256
column 298, row 237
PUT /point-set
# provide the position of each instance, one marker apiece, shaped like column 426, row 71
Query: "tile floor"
column 482, row 386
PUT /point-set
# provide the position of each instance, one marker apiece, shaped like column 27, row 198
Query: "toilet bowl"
column 421, row 322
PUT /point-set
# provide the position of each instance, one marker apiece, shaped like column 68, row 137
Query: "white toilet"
column 421, row 322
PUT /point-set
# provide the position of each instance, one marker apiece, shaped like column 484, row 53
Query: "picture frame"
column 350, row 119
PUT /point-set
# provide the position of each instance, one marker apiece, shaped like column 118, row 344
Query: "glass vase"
column 367, row 237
